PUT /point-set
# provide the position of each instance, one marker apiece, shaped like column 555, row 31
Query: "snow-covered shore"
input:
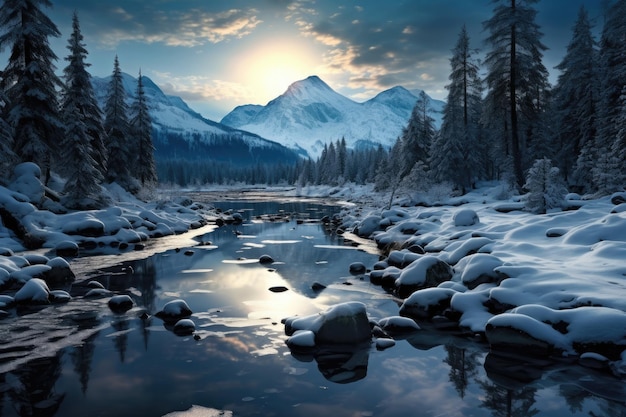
column 552, row 284
column 34, row 228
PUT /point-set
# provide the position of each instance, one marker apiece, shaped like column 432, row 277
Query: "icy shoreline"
column 552, row 285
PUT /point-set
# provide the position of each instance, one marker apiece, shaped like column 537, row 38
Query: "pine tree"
column 141, row 125
column 389, row 172
column 82, row 187
column 618, row 149
column 417, row 136
column 117, row 128
column 79, row 94
column 29, row 81
column 342, row 156
column 7, row 156
column 546, row 189
column 82, row 157
column 455, row 154
column 515, row 71
column 612, row 80
column 575, row 104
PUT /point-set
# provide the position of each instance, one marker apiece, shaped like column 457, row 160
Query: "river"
column 81, row 359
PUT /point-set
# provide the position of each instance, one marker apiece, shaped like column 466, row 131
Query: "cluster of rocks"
column 29, row 278
column 452, row 281
column 32, row 217
column 35, row 281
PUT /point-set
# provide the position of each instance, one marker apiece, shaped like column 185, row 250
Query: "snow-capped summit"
column 310, row 114
column 312, row 89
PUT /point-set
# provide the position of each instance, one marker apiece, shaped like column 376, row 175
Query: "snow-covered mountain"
column 310, row 114
column 177, row 126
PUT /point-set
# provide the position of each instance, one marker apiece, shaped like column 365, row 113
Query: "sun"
column 270, row 66
column 277, row 74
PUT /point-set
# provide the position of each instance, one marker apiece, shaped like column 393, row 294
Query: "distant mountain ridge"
column 179, row 131
column 310, row 114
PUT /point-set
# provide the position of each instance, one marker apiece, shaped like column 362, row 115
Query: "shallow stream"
column 81, row 359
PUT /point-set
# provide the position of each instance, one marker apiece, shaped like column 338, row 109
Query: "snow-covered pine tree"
column 515, row 71
column 455, row 154
column 118, row 134
column 618, row 148
column 389, row 173
column 29, row 81
column 7, row 156
column 546, row 189
column 612, row 81
column 81, row 157
column 322, row 162
column 82, row 188
column 144, row 168
column 329, row 167
column 342, row 157
column 574, row 104
column 417, row 136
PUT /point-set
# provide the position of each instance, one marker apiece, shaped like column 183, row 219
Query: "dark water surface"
column 82, row 360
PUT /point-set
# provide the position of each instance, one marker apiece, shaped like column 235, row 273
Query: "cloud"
column 199, row 89
column 382, row 44
column 178, row 25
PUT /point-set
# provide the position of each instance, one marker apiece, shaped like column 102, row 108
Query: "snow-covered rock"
column 120, row 303
column 465, row 217
column 266, row 259
column 27, row 273
column 481, row 268
column 427, row 271
column 427, row 303
column 26, row 181
column 402, row 258
column 397, row 325
column 357, row 268
column 59, row 271
column 368, row 225
column 66, row 248
column 59, row 296
column 35, row 291
column 545, row 331
column 174, row 310
column 344, row 323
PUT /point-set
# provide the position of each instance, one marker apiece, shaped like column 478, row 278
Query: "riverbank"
column 554, row 283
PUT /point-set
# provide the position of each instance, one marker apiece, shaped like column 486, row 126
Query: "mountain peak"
column 310, row 85
column 310, row 113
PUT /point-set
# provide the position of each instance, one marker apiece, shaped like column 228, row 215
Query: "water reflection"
column 113, row 363
column 32, row 392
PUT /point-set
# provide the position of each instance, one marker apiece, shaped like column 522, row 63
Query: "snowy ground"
column 553, row 282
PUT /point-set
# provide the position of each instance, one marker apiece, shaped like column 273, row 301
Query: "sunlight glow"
column 270, row 69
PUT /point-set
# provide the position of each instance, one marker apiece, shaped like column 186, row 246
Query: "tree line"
column 57, row 123
column 508, row 124
column 511, row 124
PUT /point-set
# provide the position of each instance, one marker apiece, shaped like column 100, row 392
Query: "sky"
column 217, row 54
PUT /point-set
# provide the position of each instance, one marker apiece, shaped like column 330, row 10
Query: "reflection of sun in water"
column 270, row 67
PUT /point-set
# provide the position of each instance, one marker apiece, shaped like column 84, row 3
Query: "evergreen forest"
column 503, row 120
